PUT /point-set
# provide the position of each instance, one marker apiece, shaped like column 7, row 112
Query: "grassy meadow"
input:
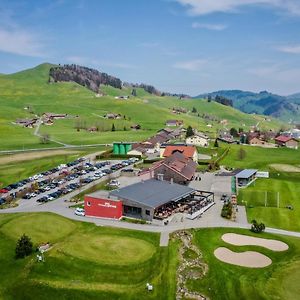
column 86, row 261
column 286, row 184
column 30, row 88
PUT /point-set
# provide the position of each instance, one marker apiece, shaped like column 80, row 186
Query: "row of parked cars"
column 80, row 169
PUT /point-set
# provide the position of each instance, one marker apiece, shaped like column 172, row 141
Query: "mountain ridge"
column 286, row 108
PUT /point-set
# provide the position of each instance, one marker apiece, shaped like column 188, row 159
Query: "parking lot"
column 62, row 180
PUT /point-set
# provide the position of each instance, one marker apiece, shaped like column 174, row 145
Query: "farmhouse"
column 245, row 177
column 174, row 123
column 256, row 141
column 112, row 116
column 176, row 167
column 135, row 127
column 198, row 139
column 286, row 141
column 54, row 116
column 179, row 110
column 187, row 151
column 28, row 123
column 148, row 200
column 122, row 97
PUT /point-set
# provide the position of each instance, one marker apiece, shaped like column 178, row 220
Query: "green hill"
column 30, row 88
column 264, row 103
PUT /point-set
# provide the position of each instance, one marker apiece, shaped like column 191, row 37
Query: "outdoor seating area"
column 198, row 202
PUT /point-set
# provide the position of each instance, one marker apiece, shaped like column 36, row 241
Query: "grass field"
column 284, row 183
column 260, row 158
column 286, row 187
column 30, row 88
column 89, row 262
column 86, row 262
column 228, row 282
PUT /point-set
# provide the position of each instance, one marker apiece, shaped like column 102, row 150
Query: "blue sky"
column 188, row 46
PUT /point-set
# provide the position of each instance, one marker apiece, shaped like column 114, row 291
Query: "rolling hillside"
column 265, row 103
column 30, row 89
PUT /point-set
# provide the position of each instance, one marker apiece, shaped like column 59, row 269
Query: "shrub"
column 226, row 210
column 257, row 227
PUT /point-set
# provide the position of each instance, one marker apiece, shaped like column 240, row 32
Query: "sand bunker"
column 246, row 240
column 249, row 259
column 285, row 168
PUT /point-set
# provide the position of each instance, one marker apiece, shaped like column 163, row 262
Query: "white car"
column 79, row 211
column 114, row 183
column 99, row 174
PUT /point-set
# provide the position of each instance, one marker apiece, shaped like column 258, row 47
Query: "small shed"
column 245, row 177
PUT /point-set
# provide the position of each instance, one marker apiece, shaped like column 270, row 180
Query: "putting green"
column 40, row 227
column 112, row 250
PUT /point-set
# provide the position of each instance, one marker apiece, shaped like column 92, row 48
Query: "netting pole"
column 266, row 195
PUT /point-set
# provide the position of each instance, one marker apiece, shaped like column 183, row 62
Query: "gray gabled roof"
column 246, row 173
column 152, row 192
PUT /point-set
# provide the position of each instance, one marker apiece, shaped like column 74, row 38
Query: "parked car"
column 114, row 183
column 79, row 211
column 42, row 199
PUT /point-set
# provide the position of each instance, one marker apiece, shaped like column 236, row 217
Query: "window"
column 147, row 212
column 88, row 203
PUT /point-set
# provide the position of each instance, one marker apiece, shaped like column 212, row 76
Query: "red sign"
column 103, row 208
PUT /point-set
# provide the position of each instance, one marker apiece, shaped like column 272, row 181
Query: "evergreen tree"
column 194, row 110
column 24, row 246
column 241, row 154
column 189, row 132
column 234, row 132
column 216, row 144
column 133, row 93
column 113, row 128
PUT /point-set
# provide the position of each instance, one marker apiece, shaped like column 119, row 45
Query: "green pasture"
column 30, row 88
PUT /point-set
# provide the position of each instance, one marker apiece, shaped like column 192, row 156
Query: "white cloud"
column 190, row 65
column 21, row 42
column 203, row 7
column 295, row 49
column 216, row 27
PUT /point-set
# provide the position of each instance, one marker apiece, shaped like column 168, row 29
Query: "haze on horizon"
column 183, row 46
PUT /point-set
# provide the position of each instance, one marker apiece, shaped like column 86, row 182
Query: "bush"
column 24, row 246
column 226, row 210
column 257, row 228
